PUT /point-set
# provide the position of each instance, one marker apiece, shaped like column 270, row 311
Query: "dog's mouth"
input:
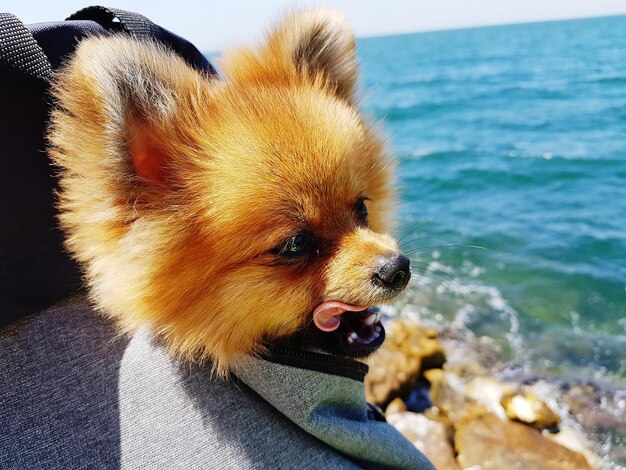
column 357, row 328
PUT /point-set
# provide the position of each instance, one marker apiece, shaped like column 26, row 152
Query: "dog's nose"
column 393, row 273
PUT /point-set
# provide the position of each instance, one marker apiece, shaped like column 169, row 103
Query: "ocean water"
column 511, row 143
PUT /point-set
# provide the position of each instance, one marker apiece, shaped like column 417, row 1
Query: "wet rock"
column 435, row 414
column 528, row 408
column 432, row 438
column 409, row 350
column 474, row 408
column 469, row 355
column 447, row 392
column 391, row 374
column 396, row 406
column 594, row 408
column 569, row 438
column 488, row 392
column 487, row 442
column 416, row 342
column 456, row 398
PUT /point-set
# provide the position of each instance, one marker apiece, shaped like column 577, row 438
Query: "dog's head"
column 229, row 212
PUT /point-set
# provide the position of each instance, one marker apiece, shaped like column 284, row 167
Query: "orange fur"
column 183, row 241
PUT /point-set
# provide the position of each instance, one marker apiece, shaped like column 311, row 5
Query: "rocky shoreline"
column 442, row 391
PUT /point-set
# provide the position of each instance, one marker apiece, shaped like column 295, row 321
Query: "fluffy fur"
column 176, row 187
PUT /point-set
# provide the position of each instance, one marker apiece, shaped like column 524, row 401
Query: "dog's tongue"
column 326, row 315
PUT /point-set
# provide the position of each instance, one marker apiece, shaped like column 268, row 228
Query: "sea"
column 511, row 150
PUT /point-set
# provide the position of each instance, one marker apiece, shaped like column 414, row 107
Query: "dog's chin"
column 358, row 335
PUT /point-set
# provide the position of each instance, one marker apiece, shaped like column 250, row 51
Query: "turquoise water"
column 511, row 143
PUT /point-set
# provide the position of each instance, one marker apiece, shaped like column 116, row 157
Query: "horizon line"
column 490, row 25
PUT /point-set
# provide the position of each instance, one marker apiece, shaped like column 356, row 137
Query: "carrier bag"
column 35, row 270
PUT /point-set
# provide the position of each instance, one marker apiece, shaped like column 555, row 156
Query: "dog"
column 234, row 212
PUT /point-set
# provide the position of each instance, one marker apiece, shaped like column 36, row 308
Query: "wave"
column 439, row 295
column 583, row 159
column 447, row 298
column 619, row 80
column 400, row 113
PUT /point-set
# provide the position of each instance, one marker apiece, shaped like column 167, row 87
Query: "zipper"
column 310, row 360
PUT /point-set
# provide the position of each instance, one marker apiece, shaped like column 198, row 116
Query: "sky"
column 214, row 24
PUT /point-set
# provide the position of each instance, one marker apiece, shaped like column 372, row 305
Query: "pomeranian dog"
column 229, row 212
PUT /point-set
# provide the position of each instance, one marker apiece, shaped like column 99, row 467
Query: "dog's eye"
column 294, row 247
column 361, row 208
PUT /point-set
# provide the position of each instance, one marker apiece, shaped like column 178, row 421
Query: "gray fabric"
column 178, row 417
column 73, row 395
column 333, row 409
column 58, row 391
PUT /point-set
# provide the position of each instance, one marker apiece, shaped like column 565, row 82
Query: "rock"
column 529, row 409
column 447, row 392
column 391, row 374
column 396, row 406
column 468, row 355
column 432, row 438
column 569, row 438
column 487, row 442
column 457, row 399
column 434, row 414
column 408, row 351
column 596, row 408
column 488, row 392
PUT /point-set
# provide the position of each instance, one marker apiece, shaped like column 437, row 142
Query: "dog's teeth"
column 353, row 336
column 371, row 319
column 378, row 314
column 350, row 340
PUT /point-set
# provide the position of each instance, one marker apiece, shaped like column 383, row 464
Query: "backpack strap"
column 121, row 20
column 114, row 19
column 20, row 55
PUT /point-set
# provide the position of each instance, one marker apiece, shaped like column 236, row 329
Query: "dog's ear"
column 126, row 112
column 314, row 43
column 319, row 42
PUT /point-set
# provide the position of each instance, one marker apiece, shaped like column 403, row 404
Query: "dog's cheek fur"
column 123, row 230
column 240, row 310
column 381, row 189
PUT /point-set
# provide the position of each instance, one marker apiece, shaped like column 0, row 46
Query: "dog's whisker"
column 427, row 270
column 451, row 245
column 382, row 168
column 423, row 238
column 412, row 291
column 411, row 227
